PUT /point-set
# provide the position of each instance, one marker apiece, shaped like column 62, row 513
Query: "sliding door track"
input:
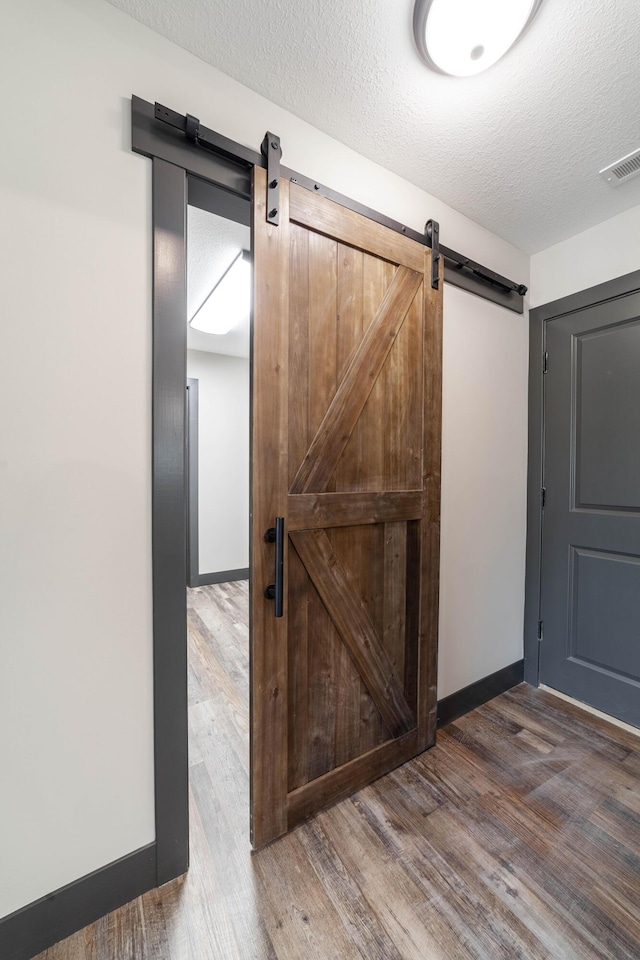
column 158, row 131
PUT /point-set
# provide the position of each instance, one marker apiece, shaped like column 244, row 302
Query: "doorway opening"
column 218, row 246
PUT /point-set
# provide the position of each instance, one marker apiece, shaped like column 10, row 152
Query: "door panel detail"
column 353, row 392
column 607, row 430
column 353, row 623
column 346, row 447
column 605, row 611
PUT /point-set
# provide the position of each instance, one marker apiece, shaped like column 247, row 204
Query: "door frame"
column 191, row 440
column 174, row 486
column 539, row 317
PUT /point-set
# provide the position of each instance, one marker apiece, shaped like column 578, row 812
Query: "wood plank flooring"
column 517, row 836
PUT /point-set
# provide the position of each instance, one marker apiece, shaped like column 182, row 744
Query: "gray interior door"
column 591, row 530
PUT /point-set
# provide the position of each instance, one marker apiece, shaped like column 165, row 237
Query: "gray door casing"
column 583, row 542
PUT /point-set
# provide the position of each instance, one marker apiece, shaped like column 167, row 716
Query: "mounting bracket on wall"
column 432, row 230
column 272, row 150
column 192, row 128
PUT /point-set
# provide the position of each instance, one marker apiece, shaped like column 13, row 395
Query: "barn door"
column 346, row 451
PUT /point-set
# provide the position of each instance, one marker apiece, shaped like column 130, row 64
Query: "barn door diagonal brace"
column 272, row 150
column 432, row 231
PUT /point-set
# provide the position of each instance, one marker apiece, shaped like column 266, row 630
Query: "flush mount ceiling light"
column 465, row 37
column 228, row 304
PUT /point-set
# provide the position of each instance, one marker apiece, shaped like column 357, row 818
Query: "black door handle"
column 275, row 591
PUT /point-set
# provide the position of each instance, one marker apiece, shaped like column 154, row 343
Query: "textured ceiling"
column 517, row 148
column 212, row 244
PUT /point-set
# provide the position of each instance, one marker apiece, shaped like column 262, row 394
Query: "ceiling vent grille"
column 623, row 169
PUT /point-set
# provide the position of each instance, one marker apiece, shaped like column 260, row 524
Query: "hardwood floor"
column 517, row 836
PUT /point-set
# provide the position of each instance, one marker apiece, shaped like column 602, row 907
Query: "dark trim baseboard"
column 39, row 925
column 462, row 701
column 223, row 576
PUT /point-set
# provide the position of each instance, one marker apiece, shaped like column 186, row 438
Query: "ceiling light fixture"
column 228, row 304
column 465, row 37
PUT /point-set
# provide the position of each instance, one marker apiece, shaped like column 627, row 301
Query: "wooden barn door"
column 346, row 450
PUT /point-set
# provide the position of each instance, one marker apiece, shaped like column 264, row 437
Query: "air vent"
column 622, row 170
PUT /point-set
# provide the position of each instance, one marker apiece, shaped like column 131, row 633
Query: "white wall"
column 599, row 254
column 484, row 477
column 223, row 459
column 75, row 630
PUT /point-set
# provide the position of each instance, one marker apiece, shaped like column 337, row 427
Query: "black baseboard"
column 461, row 702
column 224, row 576
column 39, row 925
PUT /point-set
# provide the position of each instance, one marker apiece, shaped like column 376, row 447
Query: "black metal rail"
column 234, row 174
